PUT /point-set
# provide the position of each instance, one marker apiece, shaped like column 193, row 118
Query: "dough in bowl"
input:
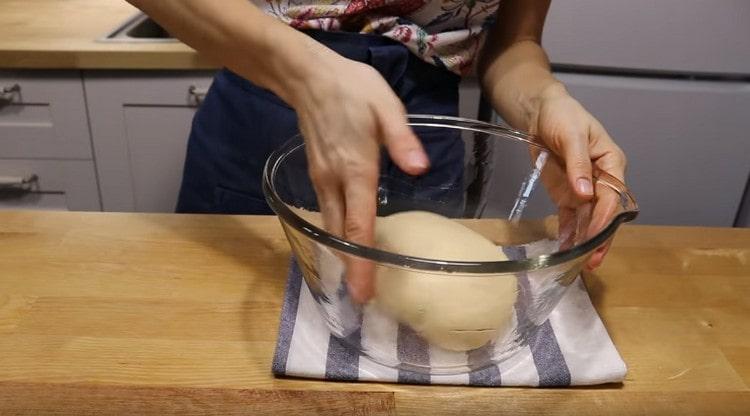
column 455, row 312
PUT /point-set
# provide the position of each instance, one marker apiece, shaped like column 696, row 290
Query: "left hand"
column 579, row 141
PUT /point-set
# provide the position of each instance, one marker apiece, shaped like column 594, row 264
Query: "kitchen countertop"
column 62, row 34
column 157, row 314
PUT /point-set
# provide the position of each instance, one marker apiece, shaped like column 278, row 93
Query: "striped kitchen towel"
column 571, row 348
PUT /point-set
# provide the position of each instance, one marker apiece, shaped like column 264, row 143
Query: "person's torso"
column 447, row 33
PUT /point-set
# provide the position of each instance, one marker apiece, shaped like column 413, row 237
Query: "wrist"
column 305, row 69
column 551, row 89
column 279, row 58
column 519, row 94
column 532, row 103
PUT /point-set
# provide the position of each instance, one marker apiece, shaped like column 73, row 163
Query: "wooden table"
column 104, row 313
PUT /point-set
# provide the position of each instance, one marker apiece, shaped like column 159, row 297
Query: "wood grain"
column 65, row 34
column 106, row 313
column 63, row 399
column 576, row 403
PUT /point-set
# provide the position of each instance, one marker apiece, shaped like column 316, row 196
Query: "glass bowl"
column 484, row 177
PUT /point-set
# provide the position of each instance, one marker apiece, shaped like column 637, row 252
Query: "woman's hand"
column 346, row 112
column 579, row 141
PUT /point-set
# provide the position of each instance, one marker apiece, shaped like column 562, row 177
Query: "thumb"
column 402, row 144
column 578, row 165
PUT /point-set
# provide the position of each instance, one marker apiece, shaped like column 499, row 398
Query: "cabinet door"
column 49, row 184
column 43, row 115
column 140, row 123
column 743, row 214
column 664, row 35
column 687, row 143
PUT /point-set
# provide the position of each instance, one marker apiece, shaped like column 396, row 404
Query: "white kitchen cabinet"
column 140, row 123
column 43, row 115
column 55, row 184
column 45, row 142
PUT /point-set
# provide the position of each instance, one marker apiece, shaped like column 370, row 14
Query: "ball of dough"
column 453, row 311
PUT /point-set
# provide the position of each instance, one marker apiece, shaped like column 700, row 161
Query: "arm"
column 513, row 68
column 516, row 77
column 241, row 37
column 346, row 110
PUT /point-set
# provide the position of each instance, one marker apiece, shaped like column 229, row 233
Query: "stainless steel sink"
column 139, row 28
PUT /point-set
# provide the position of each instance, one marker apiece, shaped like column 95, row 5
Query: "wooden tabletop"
column 66, row 33
column 105, row 313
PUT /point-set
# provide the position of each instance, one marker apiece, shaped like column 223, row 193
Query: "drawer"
column 154, row 88
column 48, row 184
column 43, row 115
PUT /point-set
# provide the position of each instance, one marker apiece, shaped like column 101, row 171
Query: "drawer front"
column 43, row 115
column 157, row 88
column 48, row 184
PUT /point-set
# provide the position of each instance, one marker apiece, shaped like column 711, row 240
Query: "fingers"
column 598, row 256
column 566, row 228
column 607, row 201
column 327, row 191
column 578, row 166
column 609, row 157
column 605, row 207
column 359, row 227
column 348, row 211
column 331, row 203
column 402, row 144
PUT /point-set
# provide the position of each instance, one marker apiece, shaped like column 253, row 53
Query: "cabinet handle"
column 197, row 94
column 7, row 93
column 19, row 183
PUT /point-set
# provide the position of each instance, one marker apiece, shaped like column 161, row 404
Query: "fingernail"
column 417, row 159
column 584, row 186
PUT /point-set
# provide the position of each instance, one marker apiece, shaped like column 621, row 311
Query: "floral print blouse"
column 446, row 33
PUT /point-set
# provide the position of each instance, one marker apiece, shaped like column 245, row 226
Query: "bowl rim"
column 287, row 216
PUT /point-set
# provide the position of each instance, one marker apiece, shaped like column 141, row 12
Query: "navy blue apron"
column 240, row 124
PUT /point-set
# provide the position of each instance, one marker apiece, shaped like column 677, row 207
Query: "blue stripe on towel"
column 411, row 348
column 548, row 359
column 288, row 318
column 487, row 376
column 342, row 361
column 545, row 350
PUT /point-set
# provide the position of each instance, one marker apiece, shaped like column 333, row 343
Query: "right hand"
column 346, row 111
column 581, row 143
